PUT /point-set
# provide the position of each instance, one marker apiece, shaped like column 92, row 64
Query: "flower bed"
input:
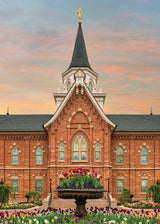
column 80, row 178
column 104, row 215
column 17, row 206
column 142, row 205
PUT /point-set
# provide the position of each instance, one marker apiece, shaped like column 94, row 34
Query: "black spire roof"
column 79, row 58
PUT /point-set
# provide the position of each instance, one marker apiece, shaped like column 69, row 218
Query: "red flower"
column 65, row 174
column 101, row 177
column 75, row 178
column 93, row 171
column 81, row 174
column 96, row 174
column 69, row 170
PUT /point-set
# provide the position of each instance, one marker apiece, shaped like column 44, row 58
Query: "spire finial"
column 79, row 16
column 7, row 110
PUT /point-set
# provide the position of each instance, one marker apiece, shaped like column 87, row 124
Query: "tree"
column 154, row 192
column 125, row 198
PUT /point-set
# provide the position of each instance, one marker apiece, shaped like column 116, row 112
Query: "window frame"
column 145, row 186
column 14, row 156
column 120, row 192
column 39, row 155
column 61, row 151
column 144, row 154
column 118, row 156
column 36, row 187
column 13, row 180
column 98, row 151
column 81, row 150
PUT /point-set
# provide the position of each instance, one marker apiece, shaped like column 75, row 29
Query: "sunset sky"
column 123, row 44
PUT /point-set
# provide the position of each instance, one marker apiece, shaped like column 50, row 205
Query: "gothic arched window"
column 14, row 154
column 39, row 155
column 90, row 86
column 79, row 148
column 97, row 151
column 68, row 86
column 144, row 155
column 120, row 155
column 61, row 151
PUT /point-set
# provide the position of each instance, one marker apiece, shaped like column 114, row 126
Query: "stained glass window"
column 120, row 185
column 120, row 155
column 14, row 154
column 90, row 86
column 79, row 148
column 68, row 86
column 15, row 185
column 39, row 155
column 97, row 151
column 61, row 151
column 144, row 185
column 39, row 185
column 144, row 155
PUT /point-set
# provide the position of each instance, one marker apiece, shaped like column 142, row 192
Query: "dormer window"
column 90, row 86
column 68, row 86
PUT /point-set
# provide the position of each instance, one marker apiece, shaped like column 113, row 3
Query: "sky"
column 123, row 45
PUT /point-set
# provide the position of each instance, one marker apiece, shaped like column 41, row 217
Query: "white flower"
column 112, row 221
column 140, row 222
column 30, row 221
column 46, row 221
column 125, row 219
column 55, row 217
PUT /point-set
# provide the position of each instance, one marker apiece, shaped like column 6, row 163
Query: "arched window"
column 39, row 156
column 79, row 148
column 14, row 154
column 61, row 151
column 144, row 155
column 97, row 151
column 68, row 86
column 120, row 155
column 90, row 86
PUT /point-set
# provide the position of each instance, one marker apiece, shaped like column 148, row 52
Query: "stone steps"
column 70, row 203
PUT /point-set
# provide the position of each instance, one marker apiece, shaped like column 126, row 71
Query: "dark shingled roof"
column 11, row 123
column 23, row 122
column 136, row 123
column 79, row 58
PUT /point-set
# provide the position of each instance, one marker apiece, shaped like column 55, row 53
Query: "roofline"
column 60, row 108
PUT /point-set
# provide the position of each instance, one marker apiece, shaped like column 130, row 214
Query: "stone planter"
column 80, row 195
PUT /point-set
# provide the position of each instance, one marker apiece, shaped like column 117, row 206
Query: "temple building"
column 37, row 148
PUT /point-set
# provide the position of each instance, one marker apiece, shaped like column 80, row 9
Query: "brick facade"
column 79, row 115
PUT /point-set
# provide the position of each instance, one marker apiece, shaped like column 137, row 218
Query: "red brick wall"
column 80, row 116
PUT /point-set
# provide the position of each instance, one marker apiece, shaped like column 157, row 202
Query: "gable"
column 80, row 92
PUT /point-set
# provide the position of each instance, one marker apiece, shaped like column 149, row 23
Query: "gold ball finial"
column 79, row 16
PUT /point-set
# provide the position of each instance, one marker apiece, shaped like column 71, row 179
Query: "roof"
column 23, row 122
column 135, row 123
column 34, row 123
column 79, row 58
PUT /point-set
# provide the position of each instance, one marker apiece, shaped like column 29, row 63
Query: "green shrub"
column 34, row 196
column 5, row 191
column 125, row 196
column 154, row 192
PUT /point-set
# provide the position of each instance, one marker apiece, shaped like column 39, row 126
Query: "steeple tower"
column 79, row 58
column 80, row 68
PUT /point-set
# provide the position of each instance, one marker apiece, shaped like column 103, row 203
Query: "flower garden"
column 79, row 178
column 95, row 215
